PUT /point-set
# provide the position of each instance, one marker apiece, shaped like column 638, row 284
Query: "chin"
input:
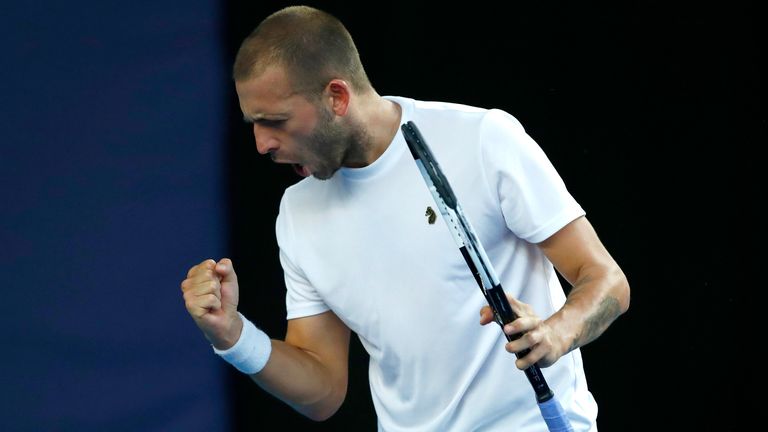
column 324, row 174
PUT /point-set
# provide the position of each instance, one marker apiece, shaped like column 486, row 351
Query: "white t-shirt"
column 360, row 244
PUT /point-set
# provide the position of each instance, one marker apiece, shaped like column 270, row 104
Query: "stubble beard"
column 331, row 145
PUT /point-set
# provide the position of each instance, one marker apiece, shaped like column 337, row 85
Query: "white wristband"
column 251, row 351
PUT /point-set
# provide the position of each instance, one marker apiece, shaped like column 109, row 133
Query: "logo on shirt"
column 431, row 215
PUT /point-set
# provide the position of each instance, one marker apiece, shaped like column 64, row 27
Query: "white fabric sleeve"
column 301, row 298
column 533, row 197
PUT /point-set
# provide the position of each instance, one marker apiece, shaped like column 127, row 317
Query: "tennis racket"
column 478, row 262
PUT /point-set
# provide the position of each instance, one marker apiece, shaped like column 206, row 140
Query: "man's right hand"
column 211, row 295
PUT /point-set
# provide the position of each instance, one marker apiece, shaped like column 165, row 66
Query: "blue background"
column 124, row 161
column 112, row 184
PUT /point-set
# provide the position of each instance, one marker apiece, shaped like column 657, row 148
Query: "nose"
column 265, row 141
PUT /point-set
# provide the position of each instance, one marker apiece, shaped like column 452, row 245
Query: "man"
column 359, row 254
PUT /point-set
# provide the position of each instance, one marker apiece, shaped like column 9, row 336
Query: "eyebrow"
column 264, row 117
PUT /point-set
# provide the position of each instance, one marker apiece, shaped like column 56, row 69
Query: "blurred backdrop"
column 125, row 161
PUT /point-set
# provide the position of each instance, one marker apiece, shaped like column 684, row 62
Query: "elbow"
column 322, row 412
column 326, row 407
column 622, row 293
column 320, row 416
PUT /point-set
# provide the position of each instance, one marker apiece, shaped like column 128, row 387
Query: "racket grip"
column 501, row 308
column 504, row 315
column 554, row 416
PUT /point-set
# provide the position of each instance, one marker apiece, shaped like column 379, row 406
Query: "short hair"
column 311, row 45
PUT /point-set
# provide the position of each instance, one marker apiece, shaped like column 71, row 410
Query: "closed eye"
column 267, row 122
column 270, row 123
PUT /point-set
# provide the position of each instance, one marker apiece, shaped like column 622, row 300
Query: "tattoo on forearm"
column 597, row 323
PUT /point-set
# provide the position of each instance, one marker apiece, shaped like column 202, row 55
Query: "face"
column 292, row 129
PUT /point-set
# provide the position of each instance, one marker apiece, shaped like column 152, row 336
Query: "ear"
column 340, row 93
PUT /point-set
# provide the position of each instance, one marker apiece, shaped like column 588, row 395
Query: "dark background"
column 125, row 161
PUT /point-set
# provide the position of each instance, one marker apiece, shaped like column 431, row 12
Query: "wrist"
column 227, row 338
column 249, row 354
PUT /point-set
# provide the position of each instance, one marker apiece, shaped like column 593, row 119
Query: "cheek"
column 305, row 120
column 303, row 135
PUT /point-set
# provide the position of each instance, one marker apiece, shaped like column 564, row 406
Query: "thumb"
column 230, row 292
column 486, row 315
column 226, row 270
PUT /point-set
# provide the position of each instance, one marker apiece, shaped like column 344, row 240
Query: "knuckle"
column 209, row 299
column 212, row 285
column 530, row 337
column 185, row 285
column 192, row 271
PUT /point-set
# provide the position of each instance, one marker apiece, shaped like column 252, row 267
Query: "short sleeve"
column 301, row 298
column 533, row 197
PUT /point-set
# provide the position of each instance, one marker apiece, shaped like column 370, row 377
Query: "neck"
column 381, row 119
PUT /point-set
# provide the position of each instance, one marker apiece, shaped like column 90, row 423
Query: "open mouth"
column 301, row 170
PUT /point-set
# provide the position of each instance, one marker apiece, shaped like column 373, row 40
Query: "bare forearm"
column 594, row 302
column 299, row 379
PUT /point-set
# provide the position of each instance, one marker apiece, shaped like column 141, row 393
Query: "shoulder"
column 454, row 108
column 447, row 114
column 454, row 116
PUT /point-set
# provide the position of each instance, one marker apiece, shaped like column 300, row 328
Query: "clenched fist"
column 211, row 295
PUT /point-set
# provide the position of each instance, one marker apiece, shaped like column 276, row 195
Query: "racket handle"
column 504, row 315
column 501, row 308
column 554, row 416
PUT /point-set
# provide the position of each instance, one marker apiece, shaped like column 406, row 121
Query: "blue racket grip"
column 554, row 416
